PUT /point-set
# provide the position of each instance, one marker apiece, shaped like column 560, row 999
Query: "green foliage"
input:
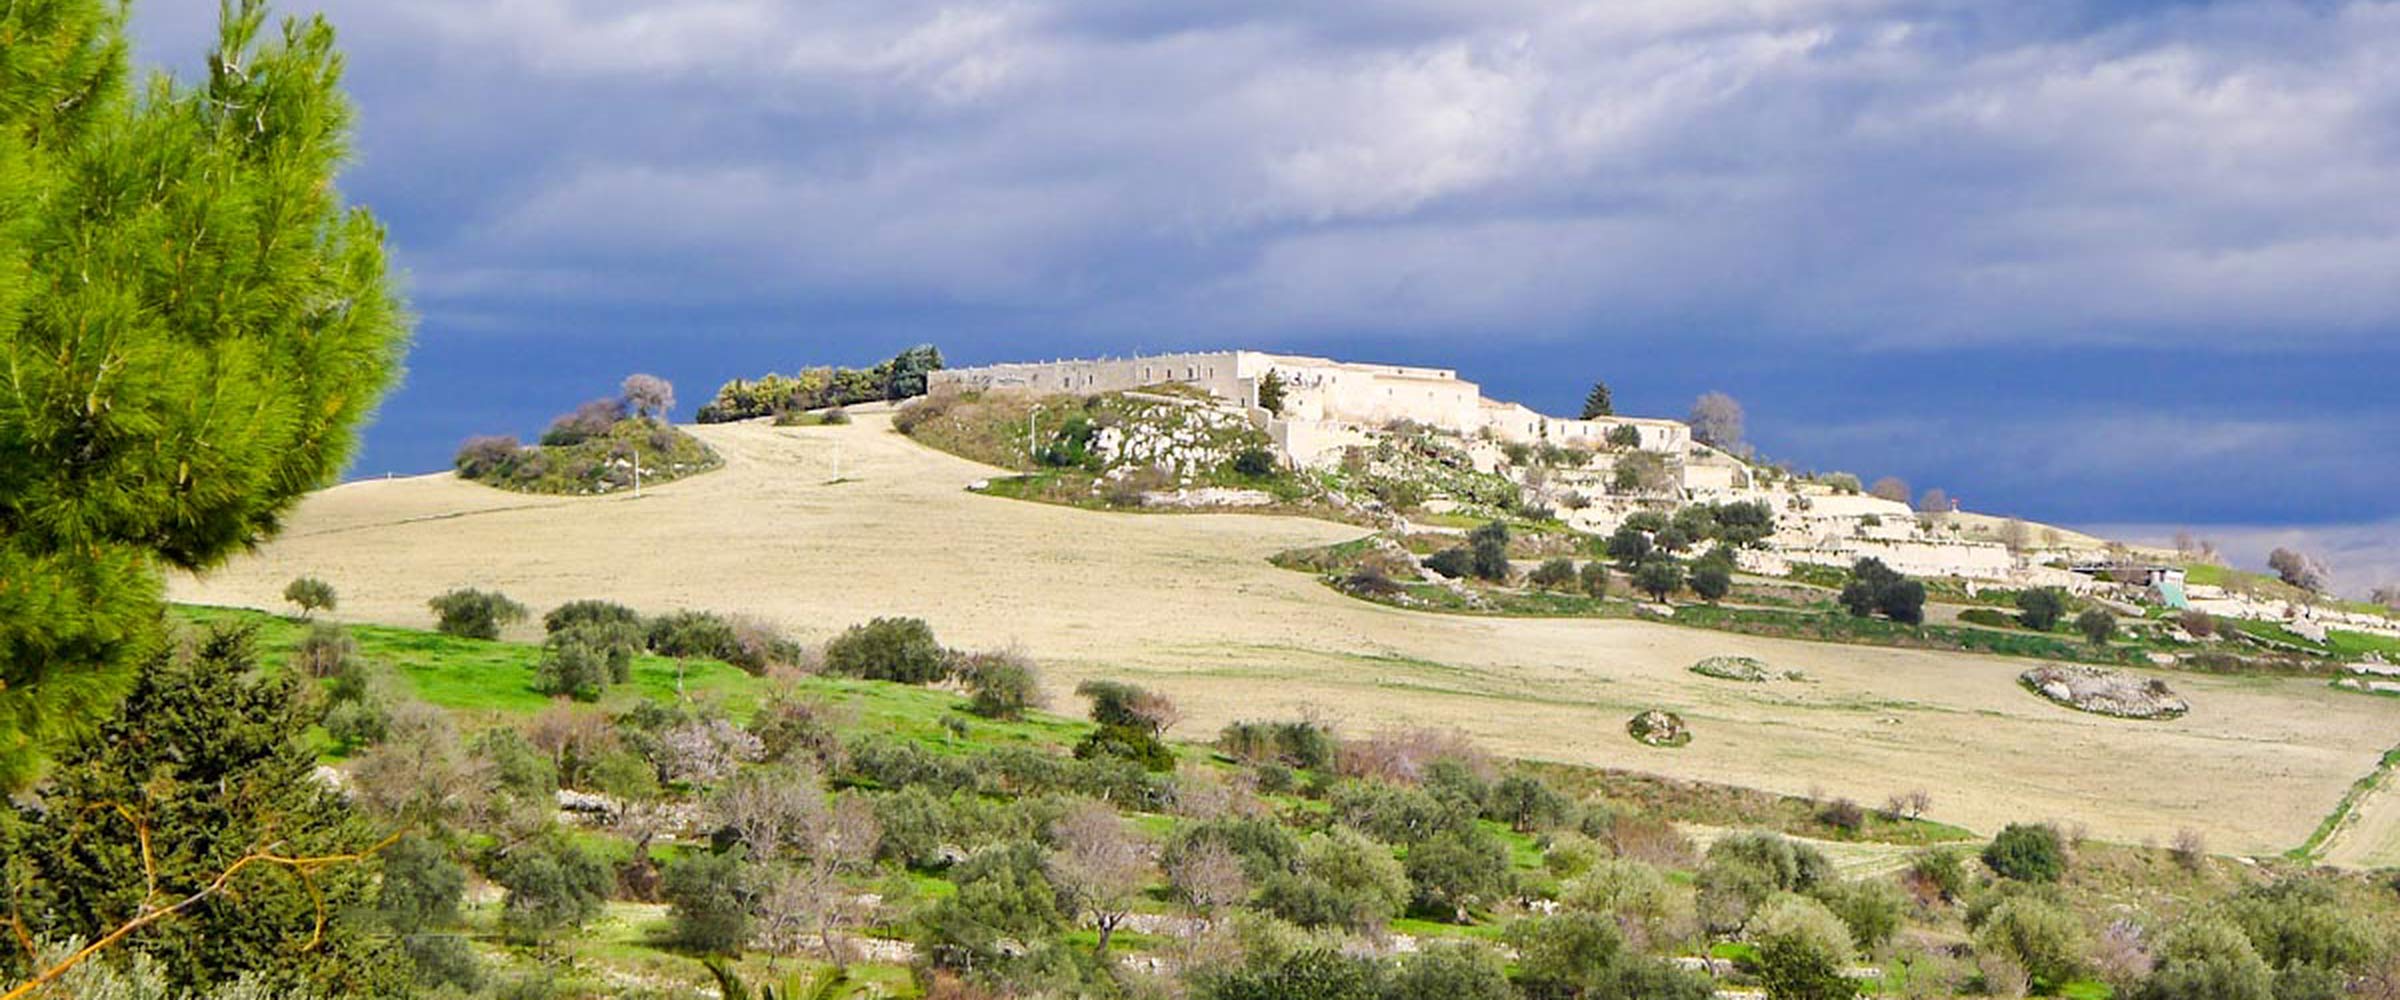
column 595, row 450
column 1527, row 803
column 2040, row 936
column 1457, row 871
column 1556, row 573
column 1875, row 588
column 310, row 594
column 1599, row 403
column 1584, row 956
column 889, row 649
column 1489, row 545
column 1271, row 391
column 590, row 612
column 1456, row 562
column 581, row 661
column 1004, row 906
column 1630, row 546
column 1316, row 974
column 1624, row 436
column 901, row 377
column 474, row 614
column 1870, row 908
column 1296, row 743
column 1130, row 743
column 554, row 884
column 193, row 326
column 1121, row 705
column 709, row 900
column 202, row 756
column 2029, row 852
column 1658, row 577
column 2040, row 608
column 1254, row 462
column 1942, row 869
column 1802, row 947
column 2208, row 958
column 1397, row 814
column 1744, row 870
column 1712, row 579
column 1594, row 579
column 2300, row 922
column 2097, row 625
column 1001, row 685
column 697, row 634
column 1454, row 971
column 1342, row 880
column 1263, row 846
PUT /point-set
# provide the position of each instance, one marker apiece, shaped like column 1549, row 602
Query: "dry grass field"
column 1188, row 603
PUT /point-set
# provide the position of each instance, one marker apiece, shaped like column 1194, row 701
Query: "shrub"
column 2041, row 937
column 474, row 614
column 582, row 661
column 888, row 649
column 1254, row 462
column 1460, row 971
column 554, row 884
column 485, row 455
column 1659, row 578
column 708, row 902
column 311, row 594
column 1300, row 743
column 1875, row 587
column 693, row 634
column 2198, row 624
column 1001, row 685
column 1341, row 879
column 1490, row 545
column 1458, row 870
column 591, row 419
column 1802, row 948
column 2097, row 625
column 325, row 651
column 1595, row 579
column 1553, row 574
column 1940, row 871
column 835, row 417
column 1456, row 562
column 1527, row 803
column 2040, row 608
column 2028, row 852
column 1115, row 703
column 1624, row 436
column 1712, row 580
column 2208, row 958
column 1870, row 908
column 1131, row 743
column 589, row 612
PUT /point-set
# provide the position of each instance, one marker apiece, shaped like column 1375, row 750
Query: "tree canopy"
column 192, row 327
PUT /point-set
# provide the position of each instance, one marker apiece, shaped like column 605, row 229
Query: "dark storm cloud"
column 1747, row 194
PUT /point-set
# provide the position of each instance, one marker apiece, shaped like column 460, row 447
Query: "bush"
column 834, row 417
column 1254, row 462
column 708, row 902
column 474, row 614
column 1712, row 580
column 553, row 884
column 1870, row 908
column 1342, row 880
column 2198, row 624
column 1554, row 574
column 311, row 594
column 589, row 612
column 889, row 649
column 1460, row 971
column 1456, row 871
column 325, row 651
column 580, row 662
column 1299, row 743
column 2097, row 625
column 1940, row 870
column 1802, row 948
column 1001, row 685
column 1595, row 579
column 2042, row 938
column 2208, row 958
column 1875, row 587
column 1490, row 550
column 2027, row 852
column 1456, row 562
column 2040, row 608
column 485, row 455
column 1658, row 578
column 1131, row 743
column 690, row 634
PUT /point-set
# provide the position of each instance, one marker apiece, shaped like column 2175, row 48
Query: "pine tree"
column 1598, row 403
column 192, row 326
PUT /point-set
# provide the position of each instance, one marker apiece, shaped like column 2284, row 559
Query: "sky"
column 2107, row 263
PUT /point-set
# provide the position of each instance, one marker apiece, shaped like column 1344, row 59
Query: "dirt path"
column 1188, row 603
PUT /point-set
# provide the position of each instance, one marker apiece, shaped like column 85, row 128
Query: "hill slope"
column 1191, row 605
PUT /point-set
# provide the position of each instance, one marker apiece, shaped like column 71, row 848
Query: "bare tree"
column 809, row 902
column 2185, row 547
column 2387, row 595
column 1892, row 488
column 1100, row 865
column 649, row 394
column 1717, row 421
column 1935, row 501
column 2299, row 569
column 704, row 752
column 421, row 772
column 772, row 809
column 2015, row 534
column 1209, row 878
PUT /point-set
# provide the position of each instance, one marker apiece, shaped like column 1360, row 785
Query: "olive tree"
column 193, row 324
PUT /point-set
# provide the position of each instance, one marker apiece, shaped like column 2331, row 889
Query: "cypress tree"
column 1598, row 403
column 192, row 326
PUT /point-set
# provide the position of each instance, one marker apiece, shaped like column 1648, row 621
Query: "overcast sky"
column 2106, row 262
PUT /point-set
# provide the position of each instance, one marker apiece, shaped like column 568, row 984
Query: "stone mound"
column 2105, row 692
column 1659, row 729
column 1734, row 668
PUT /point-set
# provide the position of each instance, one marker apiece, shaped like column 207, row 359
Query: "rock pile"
column 2105, row 692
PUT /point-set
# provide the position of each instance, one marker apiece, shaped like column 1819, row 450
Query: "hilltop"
column 817, row 527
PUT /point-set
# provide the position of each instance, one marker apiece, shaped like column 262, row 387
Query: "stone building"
column 1326, row 402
